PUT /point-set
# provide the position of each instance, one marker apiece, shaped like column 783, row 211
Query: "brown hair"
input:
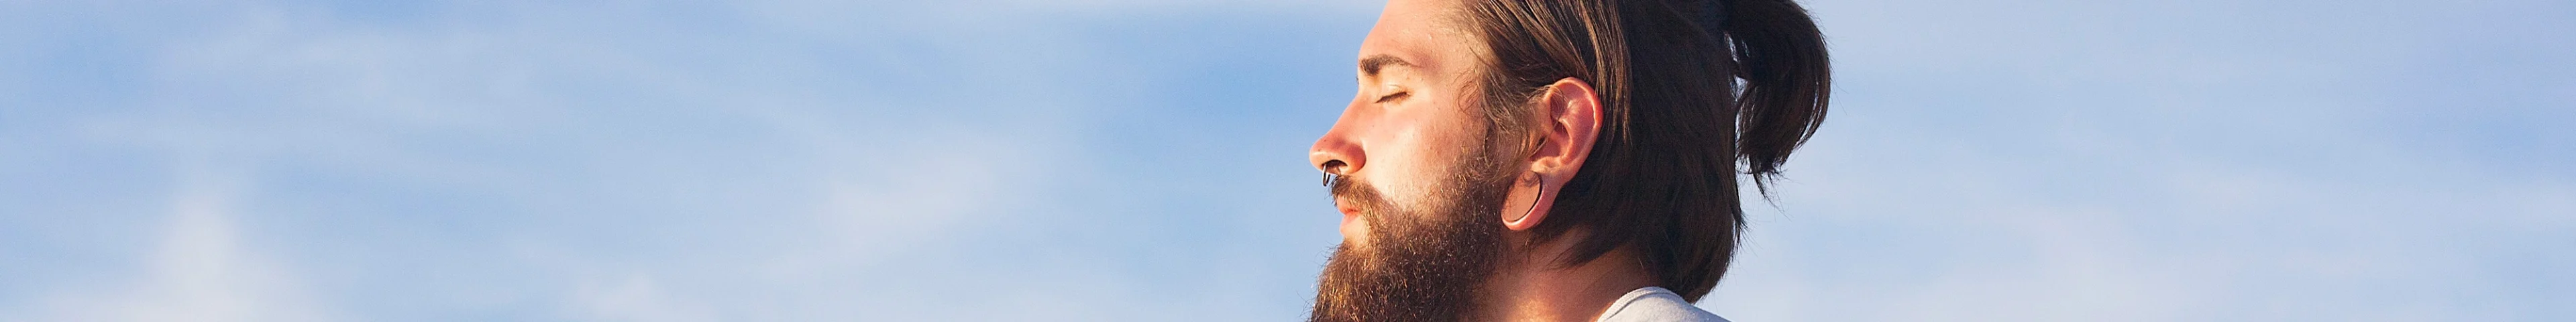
column 1688, row 89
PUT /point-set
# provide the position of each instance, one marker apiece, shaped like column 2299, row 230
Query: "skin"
column 1417, row 110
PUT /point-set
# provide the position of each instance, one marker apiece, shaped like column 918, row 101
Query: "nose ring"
column 1331, row 178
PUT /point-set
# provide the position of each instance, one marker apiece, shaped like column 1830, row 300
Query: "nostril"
column 1332, row 172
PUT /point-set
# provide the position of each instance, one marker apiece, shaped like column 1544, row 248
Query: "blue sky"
column 1144, row 160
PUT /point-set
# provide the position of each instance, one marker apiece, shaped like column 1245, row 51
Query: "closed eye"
column 1393, row 97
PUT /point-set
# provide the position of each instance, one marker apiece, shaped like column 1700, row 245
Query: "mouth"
column 1350, row 199
column 1350, row 212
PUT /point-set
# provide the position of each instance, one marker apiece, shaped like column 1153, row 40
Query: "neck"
column 1534, row 288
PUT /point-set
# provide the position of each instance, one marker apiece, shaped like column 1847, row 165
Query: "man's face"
column 1415, row 114
column 1420, row 204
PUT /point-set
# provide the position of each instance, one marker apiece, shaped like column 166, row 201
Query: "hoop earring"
column 1533, row 207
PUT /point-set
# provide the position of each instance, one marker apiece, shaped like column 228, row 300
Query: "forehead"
column 1420, row 33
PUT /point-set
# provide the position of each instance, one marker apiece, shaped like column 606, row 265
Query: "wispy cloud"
column 201, row 270
column 634, row 298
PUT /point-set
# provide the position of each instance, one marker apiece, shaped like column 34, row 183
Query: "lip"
column 1350, row 214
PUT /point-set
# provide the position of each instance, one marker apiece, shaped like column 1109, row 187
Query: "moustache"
column 1342, row 188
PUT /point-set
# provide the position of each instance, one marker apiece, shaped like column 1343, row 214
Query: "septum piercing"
column 1330, row 178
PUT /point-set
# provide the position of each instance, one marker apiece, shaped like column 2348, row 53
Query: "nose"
column 1337, row 153
column 1335, row 157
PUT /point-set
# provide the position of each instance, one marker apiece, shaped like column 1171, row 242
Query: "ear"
column 1569, row 119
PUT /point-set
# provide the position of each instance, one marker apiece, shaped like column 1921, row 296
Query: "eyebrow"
column 1369, row 66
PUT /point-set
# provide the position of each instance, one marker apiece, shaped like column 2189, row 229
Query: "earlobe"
column 1532, row 214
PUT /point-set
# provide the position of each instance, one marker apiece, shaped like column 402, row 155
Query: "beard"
column 1422, row 264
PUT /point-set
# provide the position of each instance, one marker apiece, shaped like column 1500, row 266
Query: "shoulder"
column 1655, row 304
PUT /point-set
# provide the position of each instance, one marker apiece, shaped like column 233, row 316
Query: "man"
column 1559, row 160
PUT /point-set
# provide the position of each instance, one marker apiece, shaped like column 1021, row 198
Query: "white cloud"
column 636, row 298
column 202, row 270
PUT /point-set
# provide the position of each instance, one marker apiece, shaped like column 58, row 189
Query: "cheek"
column 1407, row 167
column 1412, row 157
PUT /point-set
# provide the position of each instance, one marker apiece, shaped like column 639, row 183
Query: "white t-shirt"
column 1655, row 304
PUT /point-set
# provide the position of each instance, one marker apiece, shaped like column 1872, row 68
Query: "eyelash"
column 1391, row 97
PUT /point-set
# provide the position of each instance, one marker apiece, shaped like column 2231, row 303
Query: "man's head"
column 1486, row 130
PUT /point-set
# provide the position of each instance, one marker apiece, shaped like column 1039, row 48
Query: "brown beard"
column 1422, row 264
